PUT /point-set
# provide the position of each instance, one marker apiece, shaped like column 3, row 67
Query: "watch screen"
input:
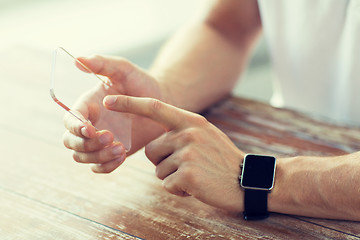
column 258, row 171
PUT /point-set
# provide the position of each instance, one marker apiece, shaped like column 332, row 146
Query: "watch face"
column 258, row 172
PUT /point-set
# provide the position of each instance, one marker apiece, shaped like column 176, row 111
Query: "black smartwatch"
column 257, row 180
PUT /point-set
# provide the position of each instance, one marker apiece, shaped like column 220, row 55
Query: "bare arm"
column 195, row 69
column 200, row 65
column 326, row 187
column 195, row 158
column 202, row 62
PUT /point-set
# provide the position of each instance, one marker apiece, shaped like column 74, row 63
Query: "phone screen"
column 71, row 86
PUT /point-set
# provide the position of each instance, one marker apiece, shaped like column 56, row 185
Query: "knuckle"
column 86, row 146
column 200, row 120
column 149, row 151
column 167, row 185
column 101, row 60
column 187, row 156
column 107, row 167
column 188, row 135
column 124, row 62
column 104, row 156
column 126, row 67
column 98, row 168
column 98, row 57
column 154, row 105
column 68, row 122
column 127, row 104
column 106, row 170
column 172, row 186
column 65, row 139
column 191, row 135
column 158, row 173
column 99, row 157
column 188, row 175
column 76, row 157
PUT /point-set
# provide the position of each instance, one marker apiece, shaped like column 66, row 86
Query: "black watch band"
column 255, row 203
column 257, row 180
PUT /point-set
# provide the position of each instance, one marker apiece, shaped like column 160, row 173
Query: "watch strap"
column 255, row 203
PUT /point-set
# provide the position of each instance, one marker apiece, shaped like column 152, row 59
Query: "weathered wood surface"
column 44, row 194
column 259, row 128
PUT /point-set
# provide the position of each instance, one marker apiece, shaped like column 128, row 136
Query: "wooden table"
column 44, row 194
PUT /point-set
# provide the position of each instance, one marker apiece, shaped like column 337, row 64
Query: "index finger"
column 169, row 116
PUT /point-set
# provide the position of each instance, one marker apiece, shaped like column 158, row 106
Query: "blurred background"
column 134, row 29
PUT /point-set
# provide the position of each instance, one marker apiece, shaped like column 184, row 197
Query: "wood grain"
column 25, row 218
column 260, row 128
column 44, row 193
column 132, row 199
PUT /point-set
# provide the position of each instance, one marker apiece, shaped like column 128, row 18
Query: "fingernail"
column 117, row 150
column 84, row 132
column 110, row 100
column 105, row 138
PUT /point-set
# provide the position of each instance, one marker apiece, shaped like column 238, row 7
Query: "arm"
column 204, row 60
column 195, row 69
column 195, row 158
column 326, row 187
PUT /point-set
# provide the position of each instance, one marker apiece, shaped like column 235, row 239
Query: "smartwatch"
column 257, row 180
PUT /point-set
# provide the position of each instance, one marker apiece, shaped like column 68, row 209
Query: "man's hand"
column 91, row 146
column 192, row 157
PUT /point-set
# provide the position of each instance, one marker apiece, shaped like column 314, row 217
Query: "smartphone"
column 72, row 82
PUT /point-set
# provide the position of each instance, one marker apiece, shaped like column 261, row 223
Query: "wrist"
column 276, row 199
column 164, row 86
column 257, row 181
column 177, row 92
column 286, row 197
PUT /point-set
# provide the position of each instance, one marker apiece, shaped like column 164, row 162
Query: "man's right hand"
column 92, row 146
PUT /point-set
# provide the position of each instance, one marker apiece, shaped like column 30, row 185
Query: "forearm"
column 202, row 62
column 325, row 187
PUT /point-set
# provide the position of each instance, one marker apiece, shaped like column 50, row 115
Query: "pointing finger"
column 169, row 116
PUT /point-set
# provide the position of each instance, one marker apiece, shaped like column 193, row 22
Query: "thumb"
column 116, row 68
